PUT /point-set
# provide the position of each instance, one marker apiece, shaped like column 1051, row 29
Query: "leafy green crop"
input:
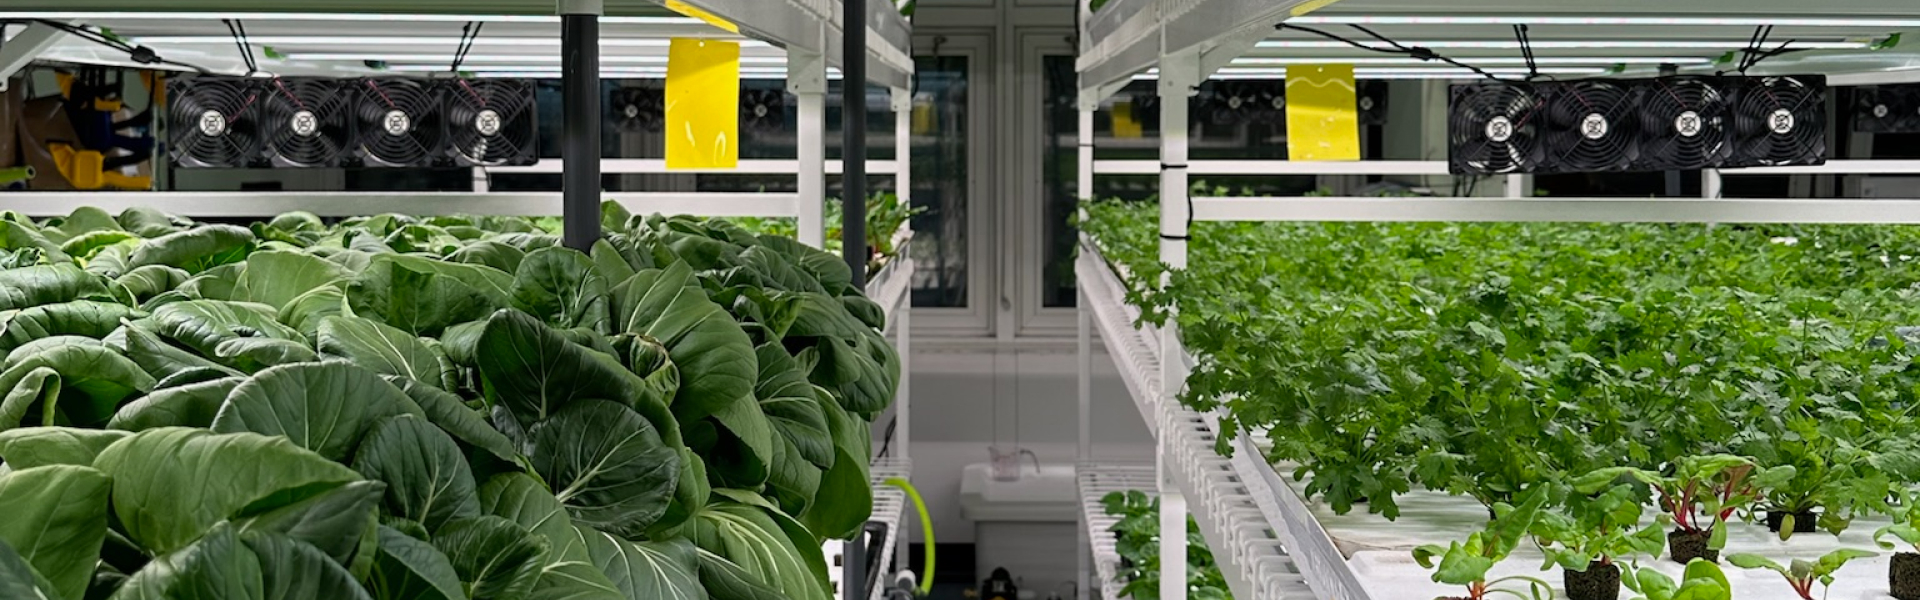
column 1137, row 539
column 1381, row 356
column 448, row 408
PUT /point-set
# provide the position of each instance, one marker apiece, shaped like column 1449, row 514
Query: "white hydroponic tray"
column 1095, row 482
column 1380, row 551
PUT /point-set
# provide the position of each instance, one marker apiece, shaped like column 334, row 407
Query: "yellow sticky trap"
column 1322, row 120
column 1303, row 8
column 703, row 104
column 695, row 12
column 1124, row 125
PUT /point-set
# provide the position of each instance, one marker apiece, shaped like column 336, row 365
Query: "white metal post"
column 1519, row 185
column 1084, row 191
column 1178, row 76
column 903, row 186
column 1710, row 186
column 807, row 79
column 24, row 47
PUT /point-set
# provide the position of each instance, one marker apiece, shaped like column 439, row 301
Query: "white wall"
column 955, row 398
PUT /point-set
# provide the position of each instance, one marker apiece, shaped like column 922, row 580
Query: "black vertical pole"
column 580, row 142
column 853, row 123
column 854, row 576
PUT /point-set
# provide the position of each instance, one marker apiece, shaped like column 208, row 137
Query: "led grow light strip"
column 1566, row 44
column 94, row 17
column 1495, row 60
column 479, row 60
column 1602, row 20
column 311, row 40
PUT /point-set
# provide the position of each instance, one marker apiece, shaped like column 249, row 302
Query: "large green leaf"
column 93, row 381
column 276, row 278
column 254, row 354
column 416, row 297
column 196, row 249
column 191, row 405
column 28, row 287
column 689, row 496
column 750, row 538
column 213, row 284
column 32, row 398
column 745, row 448
column 86, row 244
column 19, row 580
column 20, row 236
column 111, row 262
column 31, row 447
column 427, row 479
column 411, row 569
column 202, row 325
column 714, row 356
column 534, row 371
column 450, row 414
column 323, row 407
column 561, row 287
column 496, row 559
column 791, row 403
column 85, row 318
column 148, row 222
column 172, row 484
column 293, row 570
column 863, row 371
column 845, row 497
column 569, row 573
column 606, row 464
column 56, row 519
column 727, row 581
column 668, row 570
column 217, row 567
column 151, row 280
column 306, row 312
column 386, row 349
column 159, row 358
column 339, row 522
column 829, row 269
column 491, row 254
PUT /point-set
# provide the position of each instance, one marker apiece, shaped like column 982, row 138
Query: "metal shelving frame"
column 1188, row 40
column 810, row 31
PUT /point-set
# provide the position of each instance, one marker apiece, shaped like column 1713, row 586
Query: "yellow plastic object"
column 1124, row 125
column 703, row 104
column 923, row 117
column 695, row 12
column 1323, row 122
column 85, row 169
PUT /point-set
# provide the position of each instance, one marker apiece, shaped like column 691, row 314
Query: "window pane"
column 940, row 182
column 1061, row 166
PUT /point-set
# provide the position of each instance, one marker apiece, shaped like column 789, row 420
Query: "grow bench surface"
column 1380, row 551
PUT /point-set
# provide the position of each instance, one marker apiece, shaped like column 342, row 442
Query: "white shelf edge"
column 622, row 166
column 1250, row 555
column 1560, row 210
column 349, row 204
column 1095, row 482
column 891, row 288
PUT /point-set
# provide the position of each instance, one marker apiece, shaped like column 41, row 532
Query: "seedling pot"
column 1599, row 582
column 1684, row 546
column 1903, row 576
column 1803, row 522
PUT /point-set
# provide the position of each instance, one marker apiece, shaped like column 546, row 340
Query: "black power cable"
column 139, row 54
column 469, row 34
column 239, row 32
column 1393, row 47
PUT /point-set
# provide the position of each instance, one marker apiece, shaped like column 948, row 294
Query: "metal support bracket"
column 23, row 48
column 807, row 79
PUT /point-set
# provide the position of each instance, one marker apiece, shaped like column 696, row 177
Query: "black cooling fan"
column 1493, row 128
column 490, row 122
column 1371, row 102
column 763, row 110
column 1683, row 123
column 1240, row 102
column 1590, row 126
column 637, row 109
column 1886, row 109
column 1779, row 121
column 214, row 121
column 398, row 122
column 308, row 121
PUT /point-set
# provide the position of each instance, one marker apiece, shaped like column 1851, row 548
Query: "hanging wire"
column 469, row 33
column 1526, row 50
column 1393, row 47
column 239, row 32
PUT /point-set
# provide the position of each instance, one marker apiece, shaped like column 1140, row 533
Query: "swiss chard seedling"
column 1801, row 574
column 1702, row 581
column 1467, row 563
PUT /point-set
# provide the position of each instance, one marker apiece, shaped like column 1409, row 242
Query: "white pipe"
column 813, row 177
column 1519, row 185
column 1711, row 187
column 1178, row 75
column 1084, row 191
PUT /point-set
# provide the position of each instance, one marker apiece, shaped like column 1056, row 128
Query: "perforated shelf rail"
column 1096, row 481
column 1250, row 553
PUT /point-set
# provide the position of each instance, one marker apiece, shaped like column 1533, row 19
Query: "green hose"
column 926, row 531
